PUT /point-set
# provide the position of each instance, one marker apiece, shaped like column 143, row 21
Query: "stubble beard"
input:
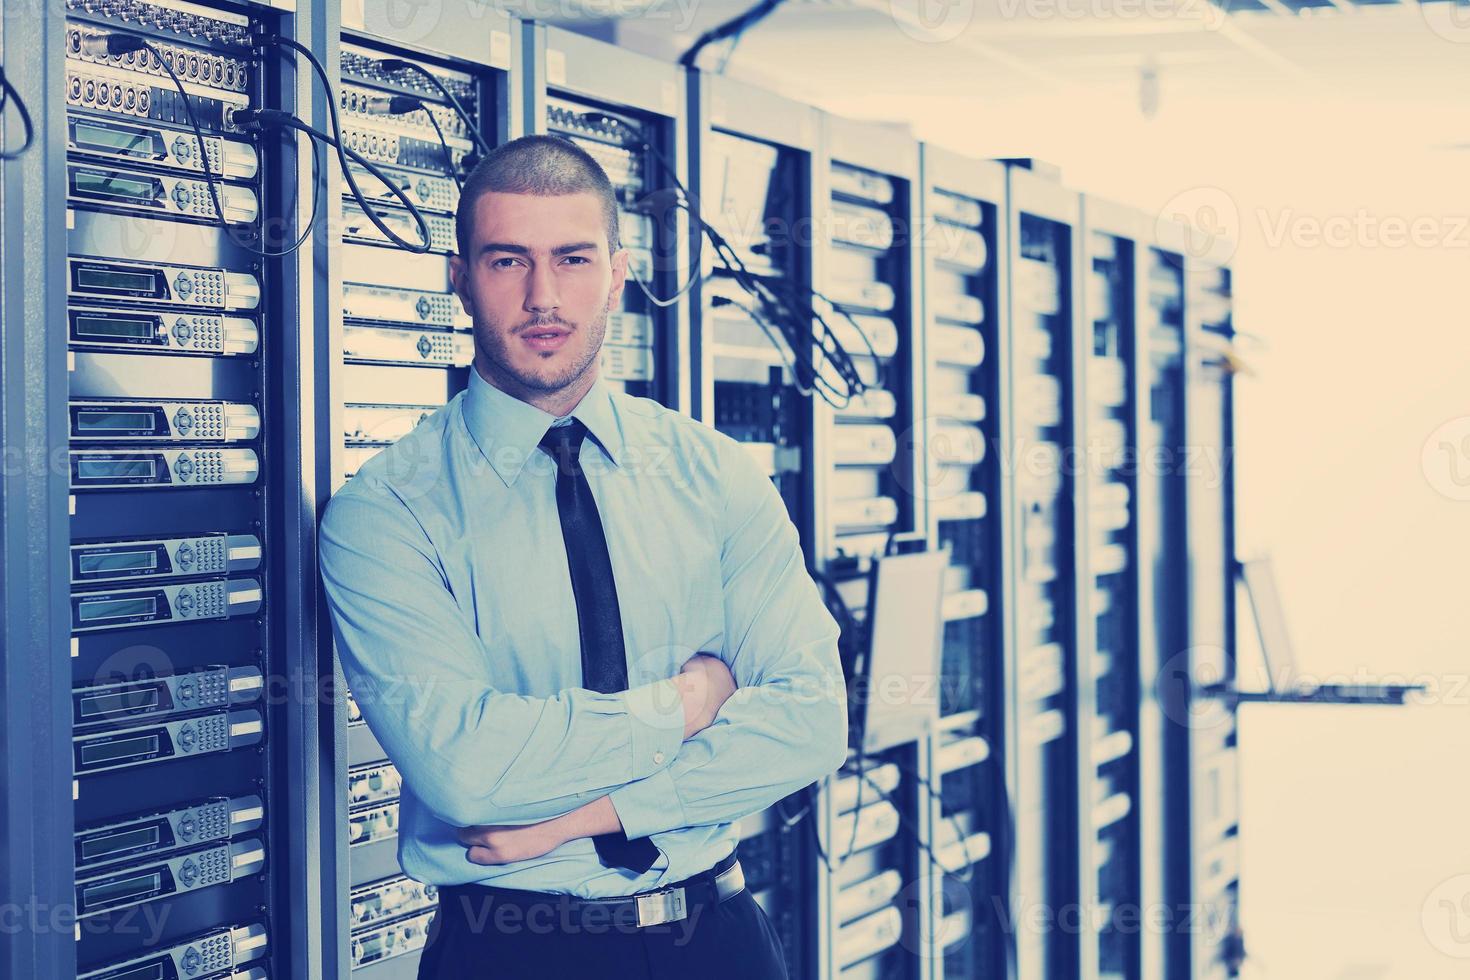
column 492, row 345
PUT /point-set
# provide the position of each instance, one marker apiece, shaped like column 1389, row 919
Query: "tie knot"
column 563, row 443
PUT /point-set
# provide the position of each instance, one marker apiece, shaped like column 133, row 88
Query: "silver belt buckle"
column 659, row 907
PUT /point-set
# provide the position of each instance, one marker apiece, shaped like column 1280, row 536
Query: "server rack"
column 627, row 110
column 1044, row 581
column 751, row 159
column 1213, row 755
column 1187, row 638
column 187, row 549
column 1163, row 563
column 1108, row 658
column 963, row 231
column 401, row 347
column 865, row 260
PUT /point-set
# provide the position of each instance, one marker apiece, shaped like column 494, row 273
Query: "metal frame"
column 36, row 821
column 985, row 181
column 1028, row 193
column 291, row 362
column 1200, row 263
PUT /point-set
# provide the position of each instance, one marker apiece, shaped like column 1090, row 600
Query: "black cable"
column 401, row 105
column 922, row 844
column 935, row 796
column 119, row 42
column 210, row 180
column 795, row 324
column 729, row 53
column 7, row 94
column 778, row 340
column 681, row 200
column 342, row 154
column 735, row 26
column 444, row 144
column 848, row 627
column 792, row 316
column 276, row 118
column 736, row 266
column 400, row 64
column 833, row 866
column 800, row 318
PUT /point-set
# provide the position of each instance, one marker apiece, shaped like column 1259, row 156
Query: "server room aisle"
column 1039, row 320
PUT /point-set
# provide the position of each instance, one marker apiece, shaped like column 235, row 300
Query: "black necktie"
column 604, row 660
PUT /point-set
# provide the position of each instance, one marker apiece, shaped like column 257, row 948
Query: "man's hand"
column 502, row 845
column 705, row 684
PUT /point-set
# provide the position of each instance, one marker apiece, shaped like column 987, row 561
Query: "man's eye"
column 503, row 263
column 577, row 259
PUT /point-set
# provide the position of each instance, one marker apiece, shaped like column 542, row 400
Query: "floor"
column 1356, row 862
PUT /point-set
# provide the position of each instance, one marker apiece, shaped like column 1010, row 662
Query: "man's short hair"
column 542, row 165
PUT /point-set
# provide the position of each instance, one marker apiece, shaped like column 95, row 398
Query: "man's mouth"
column 546, row 338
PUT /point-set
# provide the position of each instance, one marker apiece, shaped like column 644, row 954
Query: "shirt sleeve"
column 470, row 753
column 786, row 724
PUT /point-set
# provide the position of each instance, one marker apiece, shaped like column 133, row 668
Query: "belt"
column 664, row 905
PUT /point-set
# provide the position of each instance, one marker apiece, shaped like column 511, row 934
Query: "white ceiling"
column 843, row 53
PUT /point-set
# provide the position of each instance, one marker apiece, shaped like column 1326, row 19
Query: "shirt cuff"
column 648, row 806
column 656, row 726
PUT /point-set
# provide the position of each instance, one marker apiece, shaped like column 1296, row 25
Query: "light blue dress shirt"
column 452, row 606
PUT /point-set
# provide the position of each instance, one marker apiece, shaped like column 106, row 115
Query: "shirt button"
column 658, row 758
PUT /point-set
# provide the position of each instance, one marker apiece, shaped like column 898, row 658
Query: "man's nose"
column 541, row 292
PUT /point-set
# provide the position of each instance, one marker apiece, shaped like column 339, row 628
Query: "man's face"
column 539, row 283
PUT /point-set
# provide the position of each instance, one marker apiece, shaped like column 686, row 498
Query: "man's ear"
column 619, row 276
column 459, row 277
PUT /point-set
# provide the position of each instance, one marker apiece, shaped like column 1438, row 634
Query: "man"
column 544, row 598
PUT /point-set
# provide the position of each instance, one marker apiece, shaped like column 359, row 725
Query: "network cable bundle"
column 1043, row 228
column 1110, row 811
column 754, row 201
column 170, row 295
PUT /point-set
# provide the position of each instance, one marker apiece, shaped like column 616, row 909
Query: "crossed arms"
column 525, row 772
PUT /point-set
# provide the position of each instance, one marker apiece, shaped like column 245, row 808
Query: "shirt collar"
column 508, row 430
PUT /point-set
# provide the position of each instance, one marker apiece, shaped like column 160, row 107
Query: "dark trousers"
column 482, row 933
